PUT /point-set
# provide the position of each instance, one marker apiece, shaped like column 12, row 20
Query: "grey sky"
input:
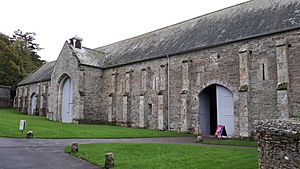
column 98, row 22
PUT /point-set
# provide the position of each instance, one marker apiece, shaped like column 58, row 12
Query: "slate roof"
column 41, row 74
column 88, row 56
column 85, row 56
column 4, row 86
column 246, row 20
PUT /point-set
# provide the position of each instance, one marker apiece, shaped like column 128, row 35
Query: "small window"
column 150, row 108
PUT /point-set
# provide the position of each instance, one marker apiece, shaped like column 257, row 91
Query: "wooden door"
column 225, row 109
column 66, row 99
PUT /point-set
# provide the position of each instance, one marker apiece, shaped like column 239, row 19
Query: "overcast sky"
column 98, row 22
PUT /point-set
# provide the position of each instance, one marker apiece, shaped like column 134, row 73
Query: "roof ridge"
column 87, row 56
column 99, row 51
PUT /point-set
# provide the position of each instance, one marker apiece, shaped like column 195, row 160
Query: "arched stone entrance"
column 66, row 100
column 33, row 103
column 216, row 108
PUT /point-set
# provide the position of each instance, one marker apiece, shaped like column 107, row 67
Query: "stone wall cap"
column 288, row 126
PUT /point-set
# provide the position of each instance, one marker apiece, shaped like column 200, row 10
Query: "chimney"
column 76, row 42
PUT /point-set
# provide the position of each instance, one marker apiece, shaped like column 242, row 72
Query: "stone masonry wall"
column 86, row 86
column 67, row 65
column 130, row 90
column 5, row 100
column 89, row 90
column 137, row 94
column 23, row 98
column 164, row 93
column 278, row 144
column 293, row 52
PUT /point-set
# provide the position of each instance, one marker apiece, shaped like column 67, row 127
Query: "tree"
column 18, row 57
column 28, row 37
column 10, row 72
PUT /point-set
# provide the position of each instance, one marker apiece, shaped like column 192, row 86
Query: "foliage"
column 165, row 156
column 43, row 128
column 243, row 88
column 28, row 37
column 282, row 86
column 18, row 57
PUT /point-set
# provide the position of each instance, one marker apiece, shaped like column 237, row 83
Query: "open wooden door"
column 225, row 109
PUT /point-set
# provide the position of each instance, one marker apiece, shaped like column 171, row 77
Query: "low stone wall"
column 5, row 100
column 279, row 144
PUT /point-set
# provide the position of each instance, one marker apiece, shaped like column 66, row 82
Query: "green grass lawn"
column 166, row 156
column 43, row 128
column 230, row 142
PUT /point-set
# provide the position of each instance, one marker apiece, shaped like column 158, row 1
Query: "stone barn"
column 230, row 67
column 32, row 93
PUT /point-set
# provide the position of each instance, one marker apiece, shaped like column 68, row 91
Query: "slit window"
column 263, row 72
column 150, row 108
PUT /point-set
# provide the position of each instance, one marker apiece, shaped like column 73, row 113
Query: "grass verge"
column 43, row 128
column 165, row 156
column 230, row 142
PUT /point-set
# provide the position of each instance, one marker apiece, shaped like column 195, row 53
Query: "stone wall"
column 90, row 87
column 5, row 100
column 67, row 66
column 137, row 94
column 278, row 144
column 25, row 94
column 86, row 85
column 262, row 74
column 293, row 52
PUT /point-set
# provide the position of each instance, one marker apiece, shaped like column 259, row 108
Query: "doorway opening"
column 216, row 108
column 66, row 101
column 33, row 104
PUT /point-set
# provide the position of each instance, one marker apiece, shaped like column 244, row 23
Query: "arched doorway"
column 33, row 103
column 216, row 108
column 66, row 101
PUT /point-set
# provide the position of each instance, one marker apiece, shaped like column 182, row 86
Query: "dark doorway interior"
column 208, row 110
column 216, row 108
column 213, row 108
